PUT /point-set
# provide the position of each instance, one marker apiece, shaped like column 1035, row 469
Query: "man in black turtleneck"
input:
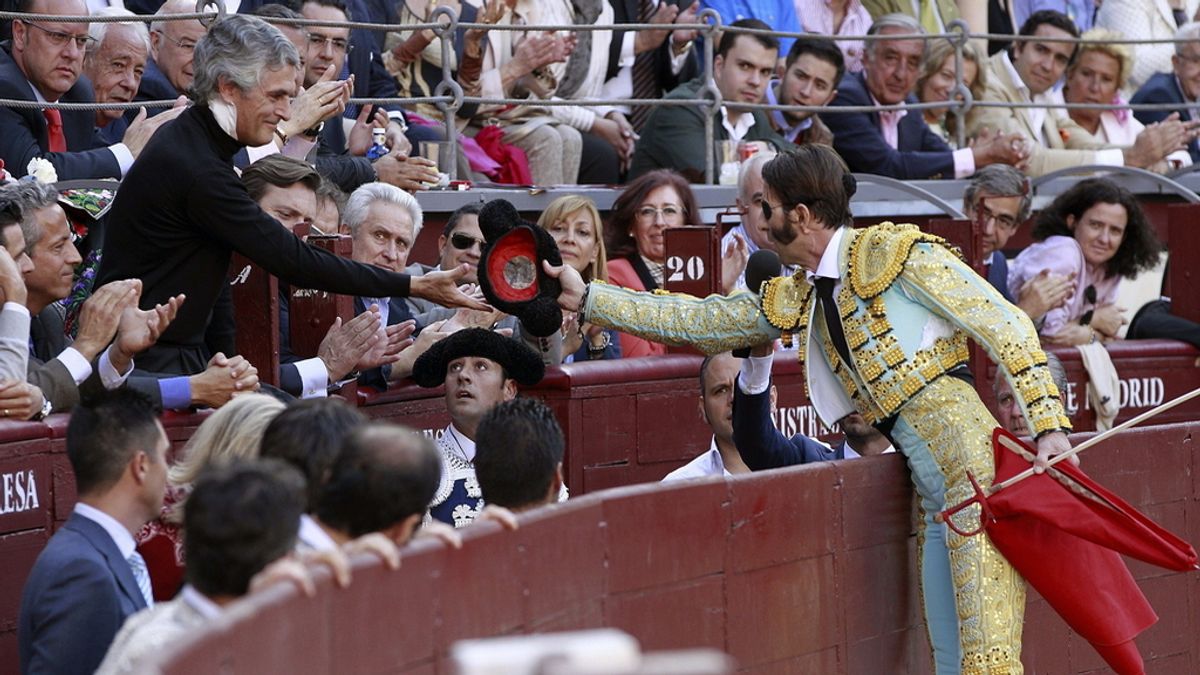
column 181, row 211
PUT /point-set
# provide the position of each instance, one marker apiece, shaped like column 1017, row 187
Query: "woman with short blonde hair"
column 575, row 224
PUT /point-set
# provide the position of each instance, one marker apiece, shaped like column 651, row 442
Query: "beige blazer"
column 1058, row 144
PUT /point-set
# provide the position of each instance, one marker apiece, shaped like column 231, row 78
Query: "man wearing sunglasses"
column 42, row 64
column 461, row 243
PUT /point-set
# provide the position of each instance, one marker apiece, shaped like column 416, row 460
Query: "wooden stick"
column 1096, row 439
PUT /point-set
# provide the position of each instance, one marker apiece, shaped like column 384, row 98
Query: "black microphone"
column 763, row 266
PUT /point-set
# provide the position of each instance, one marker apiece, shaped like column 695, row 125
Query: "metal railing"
column 448, row 96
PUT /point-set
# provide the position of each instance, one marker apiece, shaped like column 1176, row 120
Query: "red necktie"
column 54, row 127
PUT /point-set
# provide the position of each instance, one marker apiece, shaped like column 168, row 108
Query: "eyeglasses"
column 1003, row 220
column 185, row 44
column 1089, row 294
column 59, row 39
column 318, row 42
column 463, row 242
column 670, row 214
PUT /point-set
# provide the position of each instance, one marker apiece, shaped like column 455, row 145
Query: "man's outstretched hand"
column 442, row 288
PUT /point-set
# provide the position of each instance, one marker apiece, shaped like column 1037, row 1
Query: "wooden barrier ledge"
column 803, row 570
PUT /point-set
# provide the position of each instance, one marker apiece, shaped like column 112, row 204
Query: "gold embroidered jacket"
column 907, row 303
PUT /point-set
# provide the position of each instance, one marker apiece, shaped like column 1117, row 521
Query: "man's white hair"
column 362, row 198
column 98, row 30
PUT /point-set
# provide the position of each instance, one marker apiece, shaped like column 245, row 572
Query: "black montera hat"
column 518, row 360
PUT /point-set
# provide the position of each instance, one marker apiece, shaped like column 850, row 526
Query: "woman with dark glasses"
column 1097, row 231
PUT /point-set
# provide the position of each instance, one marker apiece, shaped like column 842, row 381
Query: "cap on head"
column 519, row 361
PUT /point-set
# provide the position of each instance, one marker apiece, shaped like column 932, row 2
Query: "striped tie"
column 142, row 574
column 645, row 82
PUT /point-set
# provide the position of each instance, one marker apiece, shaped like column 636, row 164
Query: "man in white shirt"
column 239, row 519
column 717, row 374
column 674, row 135
column 89, row 578
column 1027, row 75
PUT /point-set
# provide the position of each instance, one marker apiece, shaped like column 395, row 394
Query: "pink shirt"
column 817, row 17
column 1062, row 255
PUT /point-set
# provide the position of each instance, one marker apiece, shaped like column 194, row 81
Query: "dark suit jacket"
column 858, row 139
column 289, row 376
column 24, row 136
column 48, row 339
column 335, row 162
column 760, row 444
column 114, row 131
column 673, row 137
column 997, row 275
column 78, row 594
column 1164, row 88
column 47, row 373
column 154, row 87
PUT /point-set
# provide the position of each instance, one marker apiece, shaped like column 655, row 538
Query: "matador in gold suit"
column 907, row 305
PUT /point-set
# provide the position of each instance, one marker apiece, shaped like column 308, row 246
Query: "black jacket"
column 177, row 220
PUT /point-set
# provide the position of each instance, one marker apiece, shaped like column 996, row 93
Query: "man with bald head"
column 172, row 43
column 114, row 63
column 42, row 63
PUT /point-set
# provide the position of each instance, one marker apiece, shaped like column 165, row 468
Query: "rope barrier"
column 449, row 96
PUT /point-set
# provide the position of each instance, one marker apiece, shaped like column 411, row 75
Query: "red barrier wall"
column 802, row 570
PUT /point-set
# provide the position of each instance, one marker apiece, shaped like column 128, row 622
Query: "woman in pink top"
column 648, row 206
column 1096, row 232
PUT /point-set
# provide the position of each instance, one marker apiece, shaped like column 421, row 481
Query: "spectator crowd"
column 115, row 311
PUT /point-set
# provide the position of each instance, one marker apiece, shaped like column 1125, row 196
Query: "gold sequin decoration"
column 782, row 300
column 989, row 593
column 877, row 255
column 1003, row 330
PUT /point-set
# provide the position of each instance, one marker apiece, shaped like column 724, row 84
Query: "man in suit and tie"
column 63, row 368
column 1181, row 86
column 999, row 197
column 383, row 222
column 241, row 522
column 647, row 64
column 1027, row 75
column 90, row 578
column 42, row 63
column 898, row 143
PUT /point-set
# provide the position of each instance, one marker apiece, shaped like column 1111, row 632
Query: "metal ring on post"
column 1171, row 185
column 452, row 89
column 451, row 24
column 961, row 90
column 220, row 5
column 709, row 90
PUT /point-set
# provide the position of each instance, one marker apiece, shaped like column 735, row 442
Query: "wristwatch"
column 312, row 132
column 46, row 408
